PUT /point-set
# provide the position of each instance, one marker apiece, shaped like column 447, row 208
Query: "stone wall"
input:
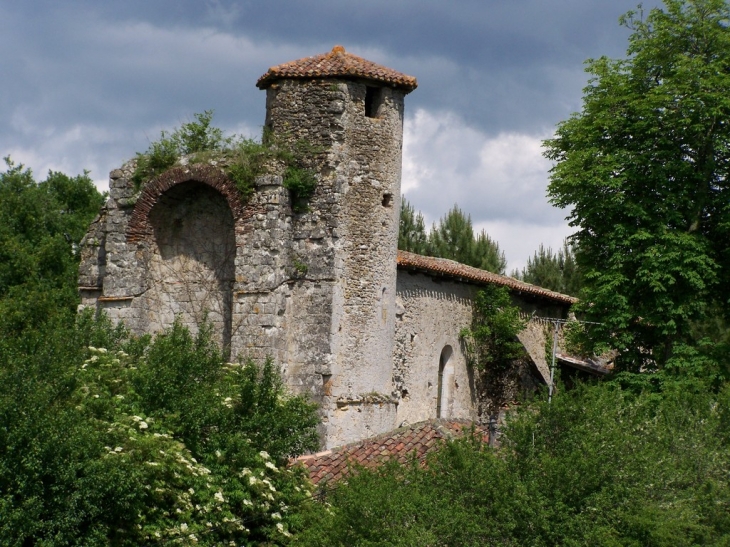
column 430, row 315
column 316, row 290
column 431, row 374
column 347, row 244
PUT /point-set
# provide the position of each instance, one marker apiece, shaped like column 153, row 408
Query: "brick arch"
column 139, row 226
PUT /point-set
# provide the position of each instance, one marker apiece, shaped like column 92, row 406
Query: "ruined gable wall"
column 185, row 246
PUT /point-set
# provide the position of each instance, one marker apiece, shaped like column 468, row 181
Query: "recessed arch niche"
column 190, row 229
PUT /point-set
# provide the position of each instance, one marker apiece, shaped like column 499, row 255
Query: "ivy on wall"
column 491, row 344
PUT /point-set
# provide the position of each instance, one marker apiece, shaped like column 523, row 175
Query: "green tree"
column 412, row 229
column 644, row 168
column 41, row 225
column 555, row 271
column 109, row 439
column 486, row 254
column 453, row 238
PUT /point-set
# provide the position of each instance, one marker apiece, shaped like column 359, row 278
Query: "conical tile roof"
column 337, row 64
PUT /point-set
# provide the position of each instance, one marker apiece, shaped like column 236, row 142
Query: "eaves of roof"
column 461, row 272
column 337, row 63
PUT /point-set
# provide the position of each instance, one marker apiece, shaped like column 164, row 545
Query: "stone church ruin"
column 370, row 333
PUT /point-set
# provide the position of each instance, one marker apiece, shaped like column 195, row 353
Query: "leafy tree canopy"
column 41, row 224
column 644, row 170
column 598, row 466
column 109, row 439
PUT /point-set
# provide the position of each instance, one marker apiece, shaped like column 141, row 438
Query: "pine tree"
column 553, row 271
column 487, row 255
column 412, row 229
column 453, row 237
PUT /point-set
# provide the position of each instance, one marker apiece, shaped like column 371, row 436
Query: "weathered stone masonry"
column 319, row 291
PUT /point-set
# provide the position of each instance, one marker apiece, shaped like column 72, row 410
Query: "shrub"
column 144, row 441
column 601, row 465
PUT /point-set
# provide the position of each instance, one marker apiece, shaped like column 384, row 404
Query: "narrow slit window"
column 373, row 99
column 444, row 393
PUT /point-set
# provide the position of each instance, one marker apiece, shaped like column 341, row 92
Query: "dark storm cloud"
column 88, row 83
column 514, row 62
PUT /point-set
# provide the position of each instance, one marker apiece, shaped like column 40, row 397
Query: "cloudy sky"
column 86, row 84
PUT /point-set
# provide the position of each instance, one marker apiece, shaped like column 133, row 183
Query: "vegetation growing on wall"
column 491, row 343
column 242, row 159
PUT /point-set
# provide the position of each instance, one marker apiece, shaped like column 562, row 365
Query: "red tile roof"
column 337, row 64
column 402, row 445
column 456, row 270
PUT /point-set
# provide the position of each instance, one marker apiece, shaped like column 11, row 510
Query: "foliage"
column 109, row 439
column 412, row 229
column 452, row 238
column 486, row 254
column 492, row 337
column 554, row 271
column 40, row 227
column 302, row 183
column 644, row 169
column 464, row 497
column 243, row 159
column 190, row 138
column 599, row 466
column 492, row 346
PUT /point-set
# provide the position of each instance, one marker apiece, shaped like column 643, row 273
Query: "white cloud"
column 519, row 241
column 499, row 180
column 117, row 84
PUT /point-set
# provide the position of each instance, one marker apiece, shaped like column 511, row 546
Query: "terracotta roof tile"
column 450, row 268
column 402, row 444
column 337, row 64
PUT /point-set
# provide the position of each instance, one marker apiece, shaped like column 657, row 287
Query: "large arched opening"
column 192, row 262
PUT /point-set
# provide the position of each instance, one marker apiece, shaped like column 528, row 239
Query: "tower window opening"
column 373, row 100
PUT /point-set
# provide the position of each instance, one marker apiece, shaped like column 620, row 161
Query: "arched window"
column 445, row 383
